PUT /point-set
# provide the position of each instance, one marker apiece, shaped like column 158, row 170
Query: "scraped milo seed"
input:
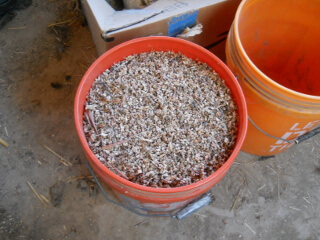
column 161, row 119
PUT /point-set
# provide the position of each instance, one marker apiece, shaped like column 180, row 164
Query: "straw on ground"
column 37, row 195
column 250, row 228
column 62, row 159
column 4, row 143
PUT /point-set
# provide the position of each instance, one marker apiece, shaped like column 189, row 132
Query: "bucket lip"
column 249, row 61
column 242, row 111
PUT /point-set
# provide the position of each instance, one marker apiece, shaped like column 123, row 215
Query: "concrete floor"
column 40, row 68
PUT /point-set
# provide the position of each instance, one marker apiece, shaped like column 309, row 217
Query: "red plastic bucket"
column 149, row 200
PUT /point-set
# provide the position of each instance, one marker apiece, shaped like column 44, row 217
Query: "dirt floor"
column 45, row 49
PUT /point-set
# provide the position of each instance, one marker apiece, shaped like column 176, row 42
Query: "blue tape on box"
column 177, row 24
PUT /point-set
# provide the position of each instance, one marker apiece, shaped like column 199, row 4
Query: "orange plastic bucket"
column 149, row 200
column 273, row 49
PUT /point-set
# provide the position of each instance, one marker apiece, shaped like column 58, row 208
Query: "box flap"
column 127, row 18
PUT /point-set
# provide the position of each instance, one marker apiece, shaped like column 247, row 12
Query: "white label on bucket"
column 311, row 124
column 296, row 131
column 294, row 127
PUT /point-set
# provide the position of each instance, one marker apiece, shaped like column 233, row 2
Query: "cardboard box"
column 204, row 22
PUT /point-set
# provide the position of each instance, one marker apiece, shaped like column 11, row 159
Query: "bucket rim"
column 240, row 102
column 273, row 83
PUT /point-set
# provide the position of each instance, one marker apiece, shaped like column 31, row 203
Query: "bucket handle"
column 117, row 203
column 295, row 141
column 184, row 212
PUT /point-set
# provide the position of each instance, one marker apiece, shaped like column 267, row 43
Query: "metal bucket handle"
column 294, row 141
column 184, row 212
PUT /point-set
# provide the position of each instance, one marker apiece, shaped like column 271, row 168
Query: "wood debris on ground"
column 238, row 196
column 86, row 177
column 4, row 143
column 43, row 200
column 62, row 159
